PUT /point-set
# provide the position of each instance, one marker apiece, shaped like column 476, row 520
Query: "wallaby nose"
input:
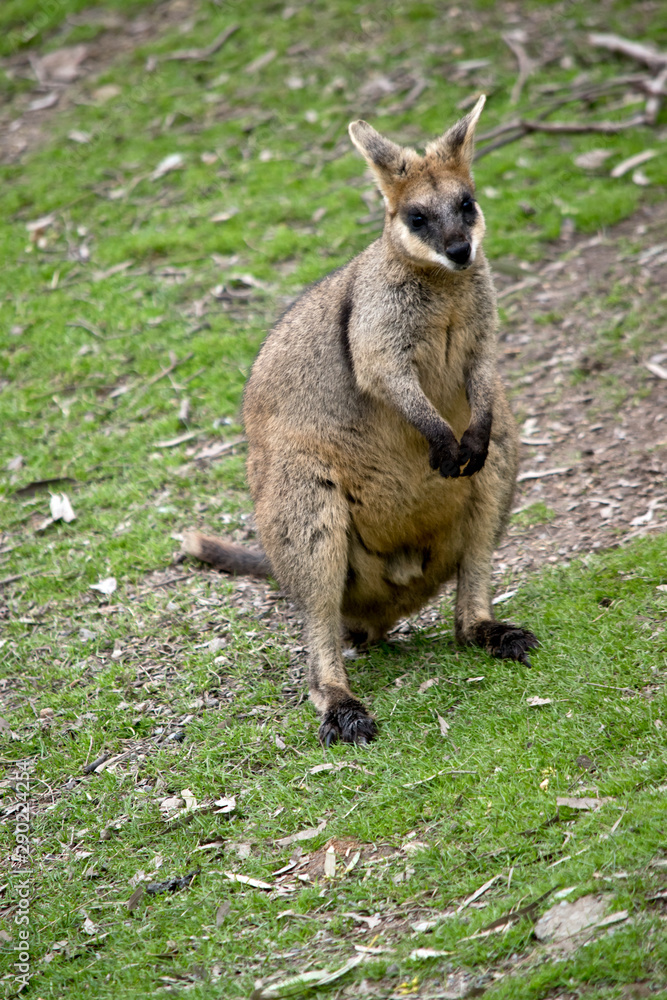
column 458, row 252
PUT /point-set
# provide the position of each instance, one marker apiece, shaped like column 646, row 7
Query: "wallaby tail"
column 224, row 555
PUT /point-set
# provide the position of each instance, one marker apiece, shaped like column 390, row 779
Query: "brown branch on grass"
column 199, row 55
column 517, row 130
column 525, row 63
column 634, row 50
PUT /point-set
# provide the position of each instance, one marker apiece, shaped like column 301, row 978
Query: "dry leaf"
column 106, row 586
column 135, row 898
column 422, row 953
column 222, row 912
column 88, row 926
column 581, row 803
column 428, row 684
column 307, row 834
column 246, row 880
column 330, row 862
column 61, row 508
column 224, row 216
column 226, row 804
column 359, row 918
column 171, row 804
column 42, row 103
column 444, row 725
column 633, row 161
column 174, row 161
column 61, row 66
column 189, row 799
column 535, row 700
column 565, row 920
column 280, row 743
column 593, row 159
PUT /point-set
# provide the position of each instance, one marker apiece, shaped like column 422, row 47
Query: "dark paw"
column 473, row 452
column 443, row 455
column 504, row 640
column 349, row 722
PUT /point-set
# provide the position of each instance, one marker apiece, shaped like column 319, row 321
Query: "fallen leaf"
column 189, row 799
column 428, row 684
column 593, row 159
column 582, row 803
column 640, row 179
column 174, row 161
column 224, row 216
column 61, row 508
column 135, row 898
column 633, row 161
column 444, row 725
column 330, row 862
column 226, row 804
column 478, row 892
column 246, row 880
column 534, row 701
column 307, row 834
column 105, row 586
column 106, row 93
column 565, row 920
column 419, row 954
column 42, row 103
column 61, row 66
column 88, row 926
column 658, row 370
column 222, row 912
column 171, row 804
column 280, row 743
column 359, row 918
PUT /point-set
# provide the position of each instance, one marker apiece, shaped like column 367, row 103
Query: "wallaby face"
column 432, row 216
column 382, row 454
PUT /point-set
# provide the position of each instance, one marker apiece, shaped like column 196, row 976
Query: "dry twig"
column 198, row 55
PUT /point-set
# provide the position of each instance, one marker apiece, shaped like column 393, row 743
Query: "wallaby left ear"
column 389, row 162
column 458, row 143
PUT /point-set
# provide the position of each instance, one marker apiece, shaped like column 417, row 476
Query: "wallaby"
column 382, row 454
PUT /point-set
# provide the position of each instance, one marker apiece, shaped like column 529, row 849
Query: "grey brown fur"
column 382, row 452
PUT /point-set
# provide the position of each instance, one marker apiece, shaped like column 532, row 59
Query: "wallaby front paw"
column 349, row 722
column 444, row 456
column 473, row 452
column 504, row 640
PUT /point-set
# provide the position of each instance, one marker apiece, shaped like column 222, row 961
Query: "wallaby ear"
column 388, row 161
column 458, row 142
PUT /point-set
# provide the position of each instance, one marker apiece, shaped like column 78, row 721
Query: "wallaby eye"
column 468, row 204
column 417, row 220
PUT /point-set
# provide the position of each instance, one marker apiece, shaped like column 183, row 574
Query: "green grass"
column 95, row 366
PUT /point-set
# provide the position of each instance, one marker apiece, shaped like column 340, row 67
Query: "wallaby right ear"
column 388, row 161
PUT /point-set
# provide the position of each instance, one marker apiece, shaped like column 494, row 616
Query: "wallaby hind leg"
column 474, row 621
column 305, row 536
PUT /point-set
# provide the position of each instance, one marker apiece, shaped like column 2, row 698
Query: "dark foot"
column 504, row 640
column 349, row 722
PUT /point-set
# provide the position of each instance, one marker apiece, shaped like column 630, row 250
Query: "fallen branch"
column 635, row 50
column 198, row 55
column 525, row 63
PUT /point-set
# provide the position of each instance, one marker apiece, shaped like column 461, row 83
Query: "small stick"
column 526, row 65
column 198, row 55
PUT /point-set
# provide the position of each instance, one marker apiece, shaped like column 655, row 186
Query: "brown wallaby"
column 382, row 454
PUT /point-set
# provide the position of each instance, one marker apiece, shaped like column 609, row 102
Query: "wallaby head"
column 431, row 214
